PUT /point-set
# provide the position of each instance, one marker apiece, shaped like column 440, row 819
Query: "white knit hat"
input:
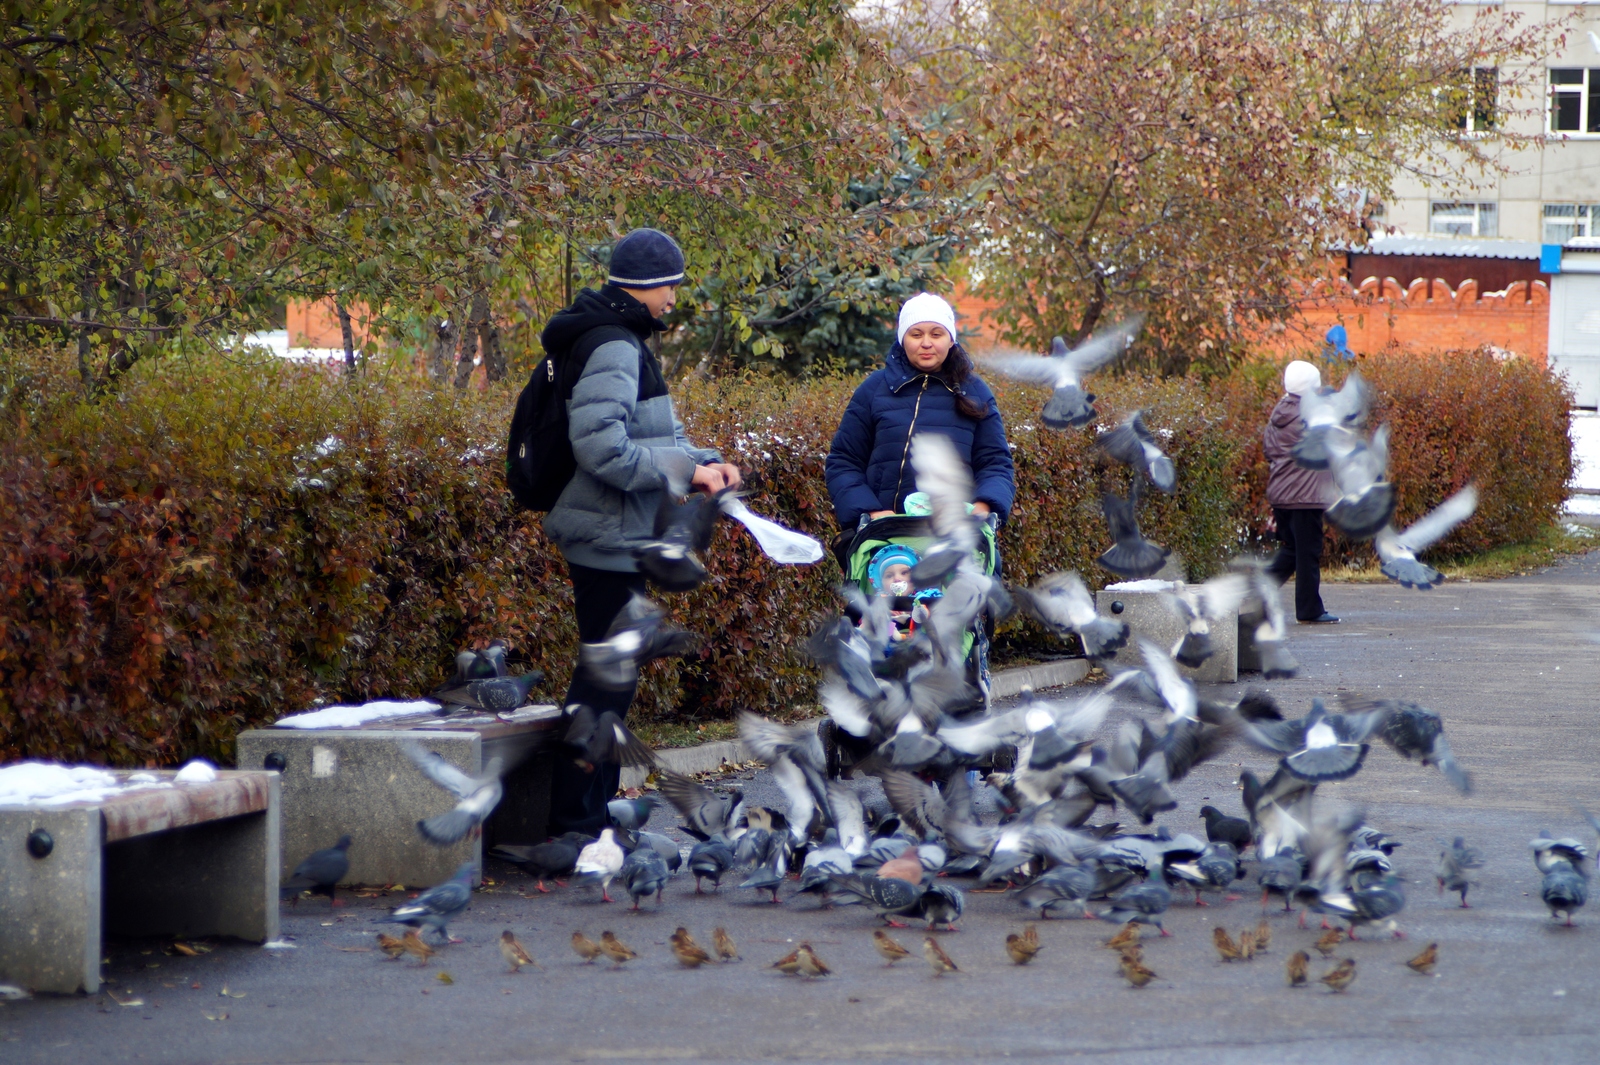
column 1300, row 377
column 926, row 307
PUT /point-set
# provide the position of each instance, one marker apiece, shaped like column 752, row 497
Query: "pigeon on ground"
column 1134, row 445
column 941, row 904
column 1220, row 828
column 709, row 860
column 1366, row 498
column 602, row 739
column 662, row 845
column 771, row 853
column 639, row 635
column 1376, row 903
column 1326, row 414
column 1565, row 887
column 705, row 813
column 1067, row 887
column 544, row 861
column 672, row 561
column 1131, row 555
column 478, row 795
column 1279, row 875
column 492, row 695
column 888, row 897
column 1397, row 551
column 1142, row 904
column 1063, row 370
column 1216, row 868
column 1061, row 603
column 644, row 873
column 321, row 872
column 821, row 865
column 435, row 907
column 598, row 863
column 1454, row 861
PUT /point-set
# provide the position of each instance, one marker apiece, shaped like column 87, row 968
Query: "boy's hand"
column 730, row 473
column 708, row 479
column 876, row 514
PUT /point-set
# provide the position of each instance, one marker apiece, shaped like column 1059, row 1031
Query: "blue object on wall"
column 1338, row 344
column 1549, row 258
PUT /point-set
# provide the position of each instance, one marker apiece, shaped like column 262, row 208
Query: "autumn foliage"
column 226, row 544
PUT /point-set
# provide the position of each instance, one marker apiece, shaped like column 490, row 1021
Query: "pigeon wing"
column 440, row 771
column 1438, row 522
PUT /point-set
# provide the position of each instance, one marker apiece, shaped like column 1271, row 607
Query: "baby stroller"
column 854, row 554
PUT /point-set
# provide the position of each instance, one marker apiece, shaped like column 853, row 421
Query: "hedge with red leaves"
column 224, row 544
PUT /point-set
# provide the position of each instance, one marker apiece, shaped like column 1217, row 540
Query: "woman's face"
column 927, row 344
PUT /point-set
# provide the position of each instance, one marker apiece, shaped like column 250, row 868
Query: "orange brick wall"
column 1425, row 315
column 316, row 325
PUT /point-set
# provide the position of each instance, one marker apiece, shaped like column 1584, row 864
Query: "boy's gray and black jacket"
column 629, row 446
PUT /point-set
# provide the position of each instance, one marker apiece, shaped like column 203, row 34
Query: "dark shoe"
column 1325, row 619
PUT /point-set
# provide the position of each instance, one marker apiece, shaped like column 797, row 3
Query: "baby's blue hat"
column 889, row 556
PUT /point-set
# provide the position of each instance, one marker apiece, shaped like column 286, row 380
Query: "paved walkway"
column 1510, row 664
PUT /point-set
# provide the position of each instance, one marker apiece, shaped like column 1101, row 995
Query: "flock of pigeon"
column 900, row 704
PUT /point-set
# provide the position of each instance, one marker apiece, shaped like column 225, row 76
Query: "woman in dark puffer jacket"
column 927, row 385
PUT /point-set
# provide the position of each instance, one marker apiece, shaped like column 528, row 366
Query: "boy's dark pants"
column 578, row 799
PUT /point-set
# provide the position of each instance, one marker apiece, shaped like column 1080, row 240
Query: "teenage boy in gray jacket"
column 631, row 451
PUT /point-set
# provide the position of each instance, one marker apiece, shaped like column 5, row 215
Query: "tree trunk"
column 494, row 354
column 469, row 339
column 348, row 335
column 445, row 331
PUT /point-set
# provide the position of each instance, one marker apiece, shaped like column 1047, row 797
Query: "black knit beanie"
column 646, row 258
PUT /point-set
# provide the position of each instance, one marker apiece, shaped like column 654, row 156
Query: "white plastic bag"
column 781, row 545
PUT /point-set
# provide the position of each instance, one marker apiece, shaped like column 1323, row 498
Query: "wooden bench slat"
column 138, row 813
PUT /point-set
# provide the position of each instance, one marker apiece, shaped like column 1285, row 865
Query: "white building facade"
column 1551, row 193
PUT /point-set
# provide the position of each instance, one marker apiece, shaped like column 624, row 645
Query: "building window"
column 1474, row 104
column 1463, row 219
column 1565, row 221
column 1574, row 100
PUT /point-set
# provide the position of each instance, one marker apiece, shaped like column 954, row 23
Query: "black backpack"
column 539, row 462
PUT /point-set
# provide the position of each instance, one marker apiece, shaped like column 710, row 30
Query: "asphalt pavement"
column 1512, row 665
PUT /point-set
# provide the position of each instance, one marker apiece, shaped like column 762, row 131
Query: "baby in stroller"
column 890, row 574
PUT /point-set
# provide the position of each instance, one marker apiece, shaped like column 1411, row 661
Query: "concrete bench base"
column 360, row 782
column 193, row 860
column 1147, row 614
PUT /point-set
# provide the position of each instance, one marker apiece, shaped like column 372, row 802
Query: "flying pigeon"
column 435, row 907
column 1320, row 746
column 682, row 534
column 1326, row 415
column 321, row 872
column 639, row 635
column 1398, row 550
column 705, row 813
column 1201, row 604
column 478, row 795
column 1413, row 732
column 1272, row 633
column 1131, row 555
column 602, row 739
column 1366, row 498
column 947, row 480
column 1133, row 445
column 1063, row 370
column 1062, row 603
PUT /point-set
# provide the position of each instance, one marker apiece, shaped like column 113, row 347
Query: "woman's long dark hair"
column 955, row 372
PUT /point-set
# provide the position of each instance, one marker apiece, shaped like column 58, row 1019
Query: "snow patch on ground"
column 349, row 716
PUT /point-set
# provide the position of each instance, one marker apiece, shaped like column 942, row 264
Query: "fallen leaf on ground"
column 355, row 950
column 127, row 998
column 214, row 1015
column 225, row 993
column 444, row 977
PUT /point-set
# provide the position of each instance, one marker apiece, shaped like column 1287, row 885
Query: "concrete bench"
column 357, row 780
column 172, row 859
column 1142, row 605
